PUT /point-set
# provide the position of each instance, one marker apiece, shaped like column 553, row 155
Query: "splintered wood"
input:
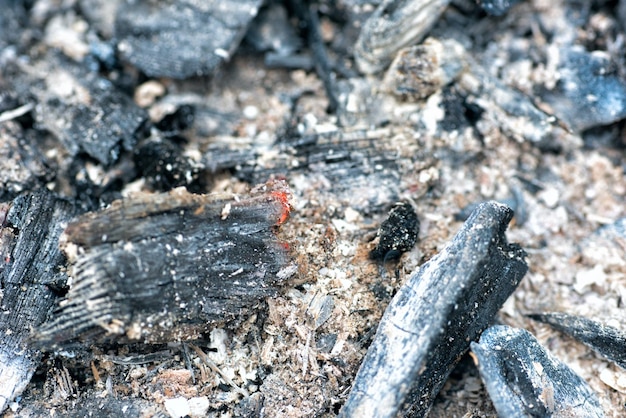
column 166, row 267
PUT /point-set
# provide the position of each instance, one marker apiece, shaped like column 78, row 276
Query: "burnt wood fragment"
column 166, row 267
column 524, row 380
column 608, row 341
column 397, row 234
column 85, row 111
column 181, row 38
column 430, row 322
column 31, row 267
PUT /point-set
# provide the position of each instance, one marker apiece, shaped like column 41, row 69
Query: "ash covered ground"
column 530, row 115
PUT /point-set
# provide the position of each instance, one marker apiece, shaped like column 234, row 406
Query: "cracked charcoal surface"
column 31, row 268
column 151, row 35
column 606, row 340
column 85, row 111
column 158, row 268
column 430, row 322
column 524, row 380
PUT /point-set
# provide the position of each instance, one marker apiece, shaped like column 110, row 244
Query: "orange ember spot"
column 283, row 198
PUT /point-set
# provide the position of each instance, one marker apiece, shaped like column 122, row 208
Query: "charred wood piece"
column 524, row 380
column 497, row 7
column 397, row 234
column 84, row 110
column 608, row 341
column 166, row 267
column 31, row 268
column 181, row 39
column 430, row 322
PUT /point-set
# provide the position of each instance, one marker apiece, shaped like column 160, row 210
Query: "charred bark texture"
column 31, row 267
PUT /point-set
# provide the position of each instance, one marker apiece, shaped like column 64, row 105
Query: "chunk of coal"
column 590, row 92
column 397, row 234
column 161, row 162
column 272, row 31
column 524, row 380
column 608, row 341
column 85, row 111
column 181, row 38
column 430, row 322
column 395, row 24
column 31, row 267
column 166, row 267
column 497, row 7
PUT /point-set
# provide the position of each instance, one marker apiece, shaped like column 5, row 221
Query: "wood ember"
column 433, row 318
column 166, row 267
column 524, row 380
column 31, row 274
column 606, row 340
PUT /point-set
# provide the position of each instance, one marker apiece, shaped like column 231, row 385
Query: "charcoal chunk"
column 161, row 162
column 166, row 267
column 181, row 38
column 524, row 380
column 31, row 265
column 430, row 322
column 85, row 111
column 590, row 92
column 608, row 341
column 397, row 234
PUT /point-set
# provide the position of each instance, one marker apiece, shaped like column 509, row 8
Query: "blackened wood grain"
column 166, row 267
column 31, row 266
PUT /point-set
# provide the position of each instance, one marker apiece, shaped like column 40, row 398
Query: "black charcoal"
column 22, row 164
column 397, row 234
column 590, row 91
column 181, row 38
column 85, row 111
column 430, row 322
column 272, row 31
column 166, row 267
column 163, row 165
column 31, row 268
column 524, row 380
column 395, row 24
column 497, row 7
column 606, row 340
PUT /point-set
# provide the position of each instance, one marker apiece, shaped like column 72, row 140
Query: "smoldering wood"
column 435, row 315
column 32, row 266
column 84, row 110
column 395, row 24
column 166, row 267
column 348, row 163
column 181, row 38
column 524, row 380
column 606, row 340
